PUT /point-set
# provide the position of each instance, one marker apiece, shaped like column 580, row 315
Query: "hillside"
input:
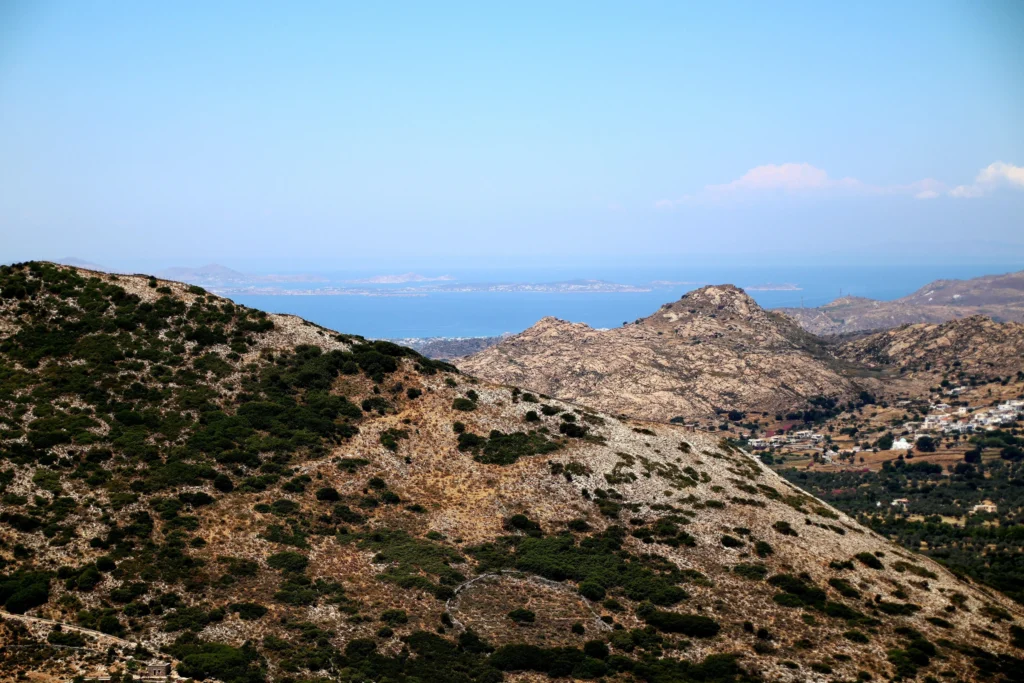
column 253, row 497
column 1000, row 297
column 974, row 346
column 447, row 348
column 714, row 348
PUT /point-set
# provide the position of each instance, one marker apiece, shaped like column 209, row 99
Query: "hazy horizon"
column 308, row 137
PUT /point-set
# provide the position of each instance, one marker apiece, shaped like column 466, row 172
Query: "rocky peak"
column 725, row 298
column 721, row 303
column 713, row 347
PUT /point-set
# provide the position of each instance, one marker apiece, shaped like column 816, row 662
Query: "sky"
column 290, row 136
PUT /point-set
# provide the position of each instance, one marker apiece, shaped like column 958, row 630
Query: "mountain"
column 82, row 263
column 252, row 497
column 1000, row 297
column 713, row 349
column 208, row 274
column 974, row 346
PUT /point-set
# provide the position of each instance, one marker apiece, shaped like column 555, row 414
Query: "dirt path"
column 67, row 627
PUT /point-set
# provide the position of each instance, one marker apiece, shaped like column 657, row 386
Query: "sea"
column 391, row 315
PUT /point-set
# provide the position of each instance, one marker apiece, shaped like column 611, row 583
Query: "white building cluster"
column 943, row 419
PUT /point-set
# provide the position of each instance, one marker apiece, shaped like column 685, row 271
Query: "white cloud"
column 993, row 176
column 787, row 177
column 806, row 179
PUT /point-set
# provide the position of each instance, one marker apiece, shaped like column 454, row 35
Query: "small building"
column 901, row 445
column 987, row 507
column 158, row 670
column 900, row 502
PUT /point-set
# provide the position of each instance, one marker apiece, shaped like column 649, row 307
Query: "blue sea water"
column 472, row 314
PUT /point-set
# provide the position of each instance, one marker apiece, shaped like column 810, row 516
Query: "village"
column 941, row 420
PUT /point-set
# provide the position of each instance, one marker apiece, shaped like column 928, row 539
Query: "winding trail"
column 99, row 635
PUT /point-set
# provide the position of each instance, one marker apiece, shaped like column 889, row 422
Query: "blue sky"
column 312, row 135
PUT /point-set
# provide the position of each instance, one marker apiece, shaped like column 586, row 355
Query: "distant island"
column 772, row 287
column 566, row 287
column 400, row 279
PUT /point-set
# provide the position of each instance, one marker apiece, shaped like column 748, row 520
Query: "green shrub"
column 394, row 616
column 186, row 619
column 522, row 616
column 797, row 592
column 284, row 507
column 693, row 625
column 754, row 572
column 592, row 590
column 869, row 560
column 463, row 404
column 784, row 528
column 523, row 523
column 248, row 611
column 65, row 638
column 572, row 430
column 328, row 494
column 202, row 661
column 896, row 608
column 597, row 649
column 504, row 449
column 845, row 588
column 288, row 561
column 390, row 438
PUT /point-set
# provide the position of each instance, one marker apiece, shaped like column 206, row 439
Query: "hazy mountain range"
column 1000, row 297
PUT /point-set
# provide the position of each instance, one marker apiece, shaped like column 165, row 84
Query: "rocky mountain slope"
column 1000, row 297
column 253, row 497
column 970, row 346
column 714, row 348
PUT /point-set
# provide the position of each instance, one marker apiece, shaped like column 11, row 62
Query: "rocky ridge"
column 1000, row 297
column 970, row 346
column 714, row 348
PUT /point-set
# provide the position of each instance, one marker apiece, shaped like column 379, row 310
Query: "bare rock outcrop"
column 714, row 348
column 974, row 346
